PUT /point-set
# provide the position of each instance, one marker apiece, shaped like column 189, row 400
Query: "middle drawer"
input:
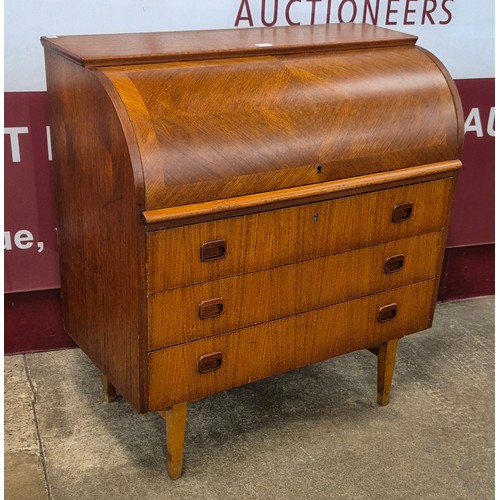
column 202, row 310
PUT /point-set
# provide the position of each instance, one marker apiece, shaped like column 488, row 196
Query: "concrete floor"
column 314, row 433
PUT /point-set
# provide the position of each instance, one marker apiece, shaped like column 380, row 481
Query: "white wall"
column 462, row 35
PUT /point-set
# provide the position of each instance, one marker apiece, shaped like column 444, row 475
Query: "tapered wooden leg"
column 175, row 423
column 109, row 390
column 386, row 355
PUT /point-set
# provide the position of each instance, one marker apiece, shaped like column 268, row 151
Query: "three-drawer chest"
column 235, row 204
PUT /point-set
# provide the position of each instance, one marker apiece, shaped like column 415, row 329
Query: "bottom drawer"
column 197, row 369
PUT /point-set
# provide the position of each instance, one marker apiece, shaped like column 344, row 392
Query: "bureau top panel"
column 135, row 48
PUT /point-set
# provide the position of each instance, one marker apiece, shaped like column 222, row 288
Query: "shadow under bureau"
column 235, row 204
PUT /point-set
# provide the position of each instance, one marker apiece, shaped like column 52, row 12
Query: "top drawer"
column 212, row 250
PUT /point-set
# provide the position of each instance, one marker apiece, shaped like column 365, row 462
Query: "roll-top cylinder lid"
column 219, row 114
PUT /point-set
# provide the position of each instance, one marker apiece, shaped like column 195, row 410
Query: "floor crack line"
column 38, row 436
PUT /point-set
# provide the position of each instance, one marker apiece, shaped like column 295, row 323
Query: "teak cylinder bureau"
column 236, row 204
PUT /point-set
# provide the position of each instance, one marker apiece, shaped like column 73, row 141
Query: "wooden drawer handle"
column 402, row 212
column 210, row 362
column 394, row 264
column 388, row 312
column 211, row 308
column 213, row 250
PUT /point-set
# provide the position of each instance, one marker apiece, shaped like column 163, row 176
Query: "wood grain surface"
column 279, row 346
column 129, row 48
column 386, row 359
column 348, row 112
column 98, row 232
column 292, row 234
column 257, row 297
column 298, row 150
column 301, row 195
column 175, row 427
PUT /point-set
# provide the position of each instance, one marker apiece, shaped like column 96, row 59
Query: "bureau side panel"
column 257, row 352
column 102, row 285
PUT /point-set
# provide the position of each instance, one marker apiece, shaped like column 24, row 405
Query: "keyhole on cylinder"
column 315, row 217
column 318, row 169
